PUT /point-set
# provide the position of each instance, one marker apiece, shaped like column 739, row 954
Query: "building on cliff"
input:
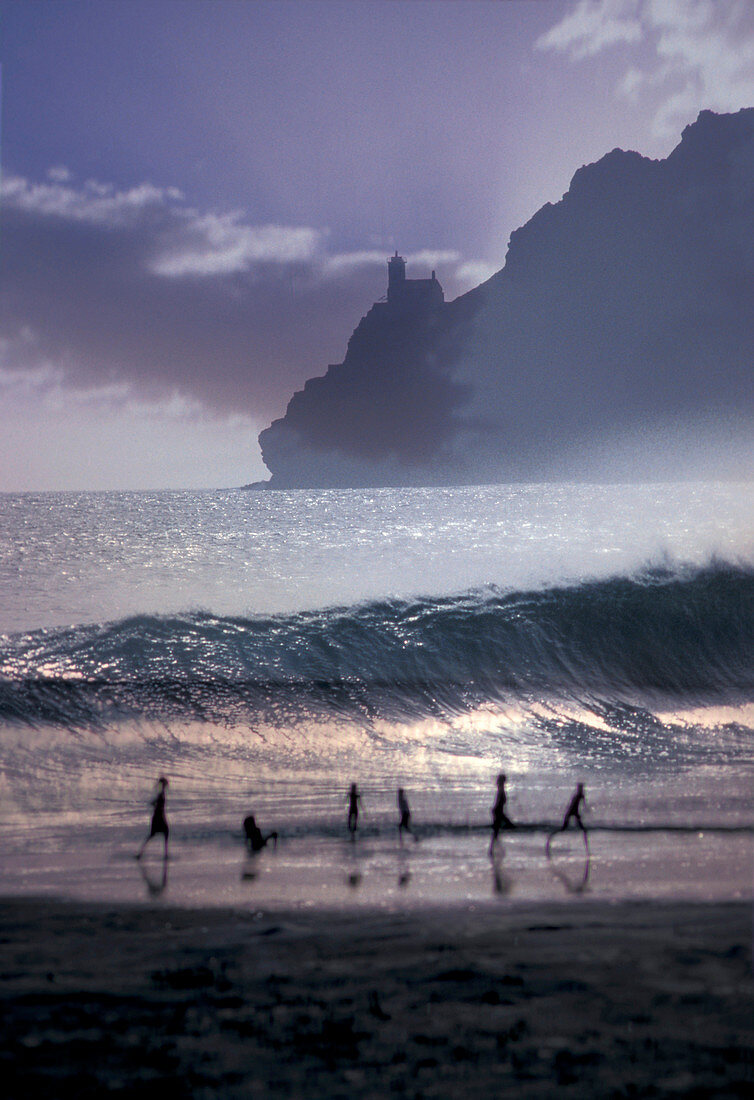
column 403, row 293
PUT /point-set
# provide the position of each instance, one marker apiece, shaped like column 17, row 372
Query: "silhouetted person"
column 578, row 799
column 405, row 812
column 159, row 820
column 255, row 838
column 573, row 813
column 500, row 819
column 354, row 798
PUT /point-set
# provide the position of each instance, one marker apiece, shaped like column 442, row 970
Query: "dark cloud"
column 617, row 336
column 89, row 294
column 136, row 287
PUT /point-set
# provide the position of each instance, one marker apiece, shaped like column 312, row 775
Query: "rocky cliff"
column 614, row 343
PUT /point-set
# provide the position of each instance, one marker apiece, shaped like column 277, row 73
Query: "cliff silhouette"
column 615, row 343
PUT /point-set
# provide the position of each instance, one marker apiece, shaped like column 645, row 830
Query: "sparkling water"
column 266, row 649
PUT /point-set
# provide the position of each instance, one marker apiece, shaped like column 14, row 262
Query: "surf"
column 679, row 638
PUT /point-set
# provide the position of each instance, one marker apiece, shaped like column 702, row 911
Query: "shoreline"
column 597, row 999
column 442, row 867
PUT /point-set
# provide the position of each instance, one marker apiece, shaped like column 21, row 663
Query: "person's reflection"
column 353, row 874
column 250, row 868
column 574, row 884
column 502, row 883
column 155, row 884
column 404, row 870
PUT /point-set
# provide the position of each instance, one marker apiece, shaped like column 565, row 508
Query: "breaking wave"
column 683, row 636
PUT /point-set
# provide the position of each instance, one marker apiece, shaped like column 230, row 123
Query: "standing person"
column 354, row 798
column 500, row 819
column 159, row 820
column 405, row 812
column 573, row 813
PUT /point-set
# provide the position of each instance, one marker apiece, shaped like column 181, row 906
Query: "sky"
column 199, row 196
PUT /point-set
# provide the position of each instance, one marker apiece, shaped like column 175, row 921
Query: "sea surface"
column 263, row 650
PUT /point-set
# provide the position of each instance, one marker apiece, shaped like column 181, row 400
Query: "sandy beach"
column 589, row 1000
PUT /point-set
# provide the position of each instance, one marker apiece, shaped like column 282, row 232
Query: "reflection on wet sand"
column 353, row 864
column 256, row 843
column 502, row 883
column 404, row 869
column 155, row 884
column 562, row 868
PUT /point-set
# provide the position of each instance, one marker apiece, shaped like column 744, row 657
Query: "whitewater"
column 264, row 650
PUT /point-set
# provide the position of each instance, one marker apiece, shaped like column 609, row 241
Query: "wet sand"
column 589, row 1000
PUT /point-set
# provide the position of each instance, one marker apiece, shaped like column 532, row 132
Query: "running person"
column 500, row 819
column 354, row 798
column 159, row 824
column 573, row 813
column 405, row 812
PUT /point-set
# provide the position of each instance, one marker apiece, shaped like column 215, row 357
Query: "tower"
column 396, row 276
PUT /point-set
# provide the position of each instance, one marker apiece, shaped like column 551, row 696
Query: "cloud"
column 592, row 26
column 38, row 380
column 103, row 441
column 94, row 203
column 57, row 434
column 349, row 261
column 135, row 293
column 695, row 54
column 426, row 258
column 186, row 241
column 59, row 173
column 474, row 272
column 221, row 244
column 49, row 387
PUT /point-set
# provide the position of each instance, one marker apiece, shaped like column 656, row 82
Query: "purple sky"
column 199, row 197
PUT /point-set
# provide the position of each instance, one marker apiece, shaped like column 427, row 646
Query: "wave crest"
column 685, row 635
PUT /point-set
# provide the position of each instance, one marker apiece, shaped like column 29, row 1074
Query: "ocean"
column 264, row 650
